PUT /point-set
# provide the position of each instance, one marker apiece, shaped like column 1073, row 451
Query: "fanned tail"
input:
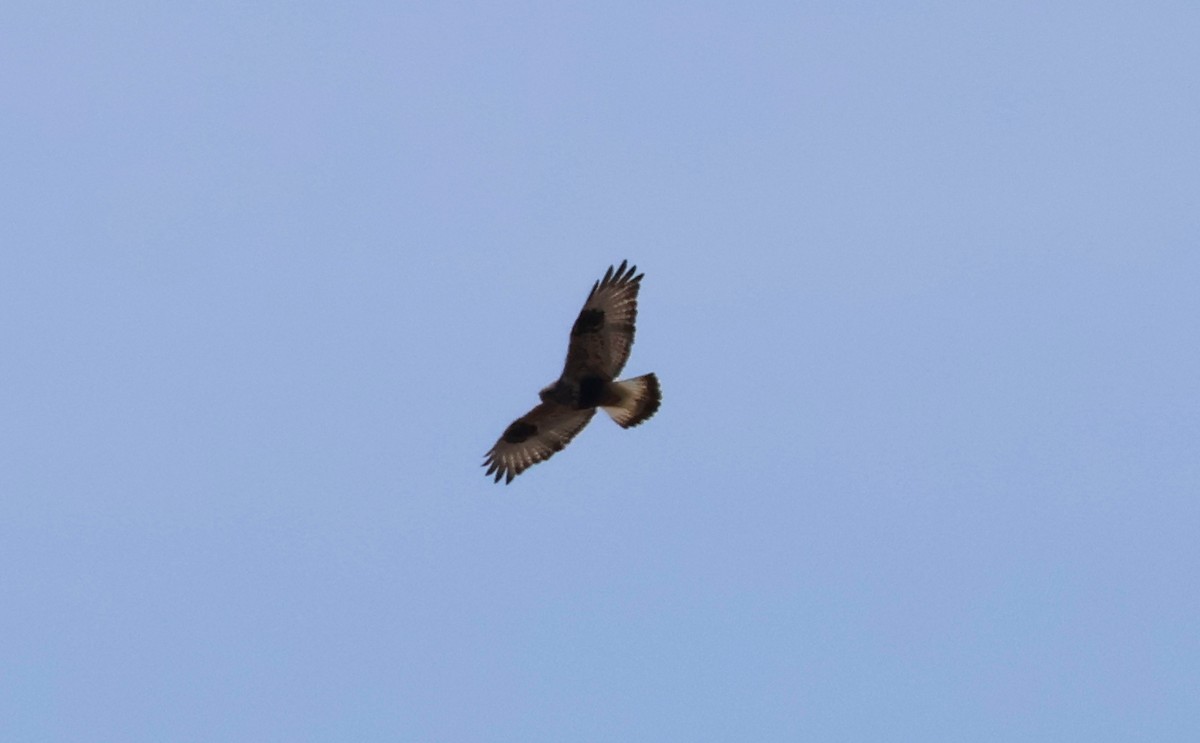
column 639, row 399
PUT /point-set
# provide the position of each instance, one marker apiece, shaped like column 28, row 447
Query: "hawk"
column 600, row 341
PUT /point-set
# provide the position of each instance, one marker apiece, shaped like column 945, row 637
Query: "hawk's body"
column 600, row 342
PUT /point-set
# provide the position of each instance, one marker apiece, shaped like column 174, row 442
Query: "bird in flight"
column 600, row 341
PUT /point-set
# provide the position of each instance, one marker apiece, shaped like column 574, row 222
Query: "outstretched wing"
column 603, row 332
column 533, row 438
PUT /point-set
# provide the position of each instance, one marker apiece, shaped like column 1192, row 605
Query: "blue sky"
column 921, row 288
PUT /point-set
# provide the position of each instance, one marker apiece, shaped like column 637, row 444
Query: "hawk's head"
column 560, row 392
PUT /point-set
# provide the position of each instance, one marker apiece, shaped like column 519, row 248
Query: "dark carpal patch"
column 590, row 321
column 519, row 431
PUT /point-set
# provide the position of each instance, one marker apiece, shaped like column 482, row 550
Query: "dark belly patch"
column 591, row 390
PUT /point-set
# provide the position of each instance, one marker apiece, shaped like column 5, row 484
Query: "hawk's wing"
column 603, row 332
column 533, row 438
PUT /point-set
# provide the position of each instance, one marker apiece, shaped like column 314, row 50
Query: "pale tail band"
column 639, row 399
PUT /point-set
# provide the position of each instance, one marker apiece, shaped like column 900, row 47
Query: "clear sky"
column 921, row 288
